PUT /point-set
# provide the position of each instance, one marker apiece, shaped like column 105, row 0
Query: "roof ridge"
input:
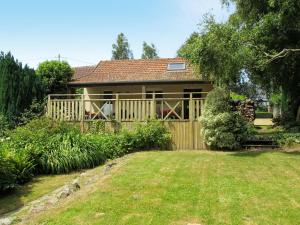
column 154, row 59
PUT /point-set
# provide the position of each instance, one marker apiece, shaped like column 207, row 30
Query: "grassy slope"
column 38, row 187
column 191, row 187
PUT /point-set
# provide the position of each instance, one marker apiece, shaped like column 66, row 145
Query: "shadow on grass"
column 256, row 153
column 12, row 200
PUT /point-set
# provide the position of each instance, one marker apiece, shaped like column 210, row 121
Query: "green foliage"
column 68, row 152
column 261, row 39
column 263, row 115
column 43, row 146
column 222, row 128
column 55, row 75
column 152, row 135
column 149, row 51
column 18, row 87
column 236, row 97
column 96, row 127
column 288, row 139
column 35, row 110
column 217, row 52
column 121, row 49
column 4, row 126
column 275, row 99
column 8, row 178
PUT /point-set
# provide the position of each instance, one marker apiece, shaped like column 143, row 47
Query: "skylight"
column 176, row 66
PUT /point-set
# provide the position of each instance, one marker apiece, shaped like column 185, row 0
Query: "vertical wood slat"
column 197, row 109
column 122, row 109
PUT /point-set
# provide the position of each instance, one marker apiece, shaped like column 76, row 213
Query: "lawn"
column 40, row 186
column 190, row 187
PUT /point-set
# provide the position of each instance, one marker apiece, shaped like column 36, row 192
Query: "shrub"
column 8, row 177
column 68, row 152
column 222, row 128
column 287, row 139
column 151, row 135
column 46, row 147
column 4, row 126
column 237, row 97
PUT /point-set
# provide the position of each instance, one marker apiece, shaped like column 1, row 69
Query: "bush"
column 68, row 152
column 151, row 135
column 43, row 146
column 223, row 128
column 8, row 177
column 4, row 126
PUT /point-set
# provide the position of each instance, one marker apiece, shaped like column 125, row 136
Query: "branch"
column 281, row 54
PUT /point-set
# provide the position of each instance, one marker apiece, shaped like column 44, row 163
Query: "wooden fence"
column 179, row 114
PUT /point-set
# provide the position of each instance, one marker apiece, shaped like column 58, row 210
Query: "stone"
column 98, row 215
column 5, row 221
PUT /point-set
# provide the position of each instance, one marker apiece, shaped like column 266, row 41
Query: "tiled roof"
column 82, row 71
column 115, row 71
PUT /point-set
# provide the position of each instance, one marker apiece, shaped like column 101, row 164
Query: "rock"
column 5, row 221
column 75, row 186
column 68, row 190
column 98, row 215
column 64, row 193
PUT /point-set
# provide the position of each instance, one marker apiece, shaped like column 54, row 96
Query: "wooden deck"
column 179, row 112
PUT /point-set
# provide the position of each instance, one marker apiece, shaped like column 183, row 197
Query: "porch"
column 126, row 107
column 179, row 112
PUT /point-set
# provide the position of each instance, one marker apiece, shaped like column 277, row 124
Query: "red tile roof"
column 82, row 71
column 115, row 71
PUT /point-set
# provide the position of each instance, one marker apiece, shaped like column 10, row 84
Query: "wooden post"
column 143, row 92
column 298, row 114
column 191, row 108
column 191, row 117
column 153, row 108
column 49, row 111
column 117, row 108
column 82, row 110
column 202, row 107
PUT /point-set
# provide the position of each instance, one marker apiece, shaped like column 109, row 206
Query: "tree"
column 19, row 86
column 55, row 75
column 121, row 49
column 273, row 29
column 216, row 52
column 261, row 39
column 149, row 51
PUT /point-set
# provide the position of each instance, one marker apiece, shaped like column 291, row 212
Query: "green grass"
column 31, row 191
column 190, row 187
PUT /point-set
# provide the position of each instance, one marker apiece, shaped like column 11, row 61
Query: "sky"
column 83, row 31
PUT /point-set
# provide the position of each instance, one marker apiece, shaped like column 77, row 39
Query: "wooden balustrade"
column 95, row 107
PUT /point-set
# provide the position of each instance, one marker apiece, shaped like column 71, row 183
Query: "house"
column 139, row 76
column 141, row 79
column 127, row 91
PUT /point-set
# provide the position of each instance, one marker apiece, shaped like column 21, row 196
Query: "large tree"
column 149, row 51
column 121, row 49
column 19, row 86
column 261, row 39
column 55, row 75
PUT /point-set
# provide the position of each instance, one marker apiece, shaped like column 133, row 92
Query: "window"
column 176, row 66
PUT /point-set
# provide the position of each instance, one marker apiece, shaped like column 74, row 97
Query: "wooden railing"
column 126, row 107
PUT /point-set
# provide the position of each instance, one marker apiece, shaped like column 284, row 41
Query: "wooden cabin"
column 168, row 90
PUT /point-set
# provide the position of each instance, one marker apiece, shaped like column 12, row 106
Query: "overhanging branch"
column 281, row 54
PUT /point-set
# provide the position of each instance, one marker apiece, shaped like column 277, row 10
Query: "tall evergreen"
column 18, row 86
column 121, row 49
column 149, row 51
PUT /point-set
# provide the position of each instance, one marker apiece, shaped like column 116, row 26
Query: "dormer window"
column 176, row 66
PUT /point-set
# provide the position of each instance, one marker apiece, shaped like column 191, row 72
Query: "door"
column 186, row 102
